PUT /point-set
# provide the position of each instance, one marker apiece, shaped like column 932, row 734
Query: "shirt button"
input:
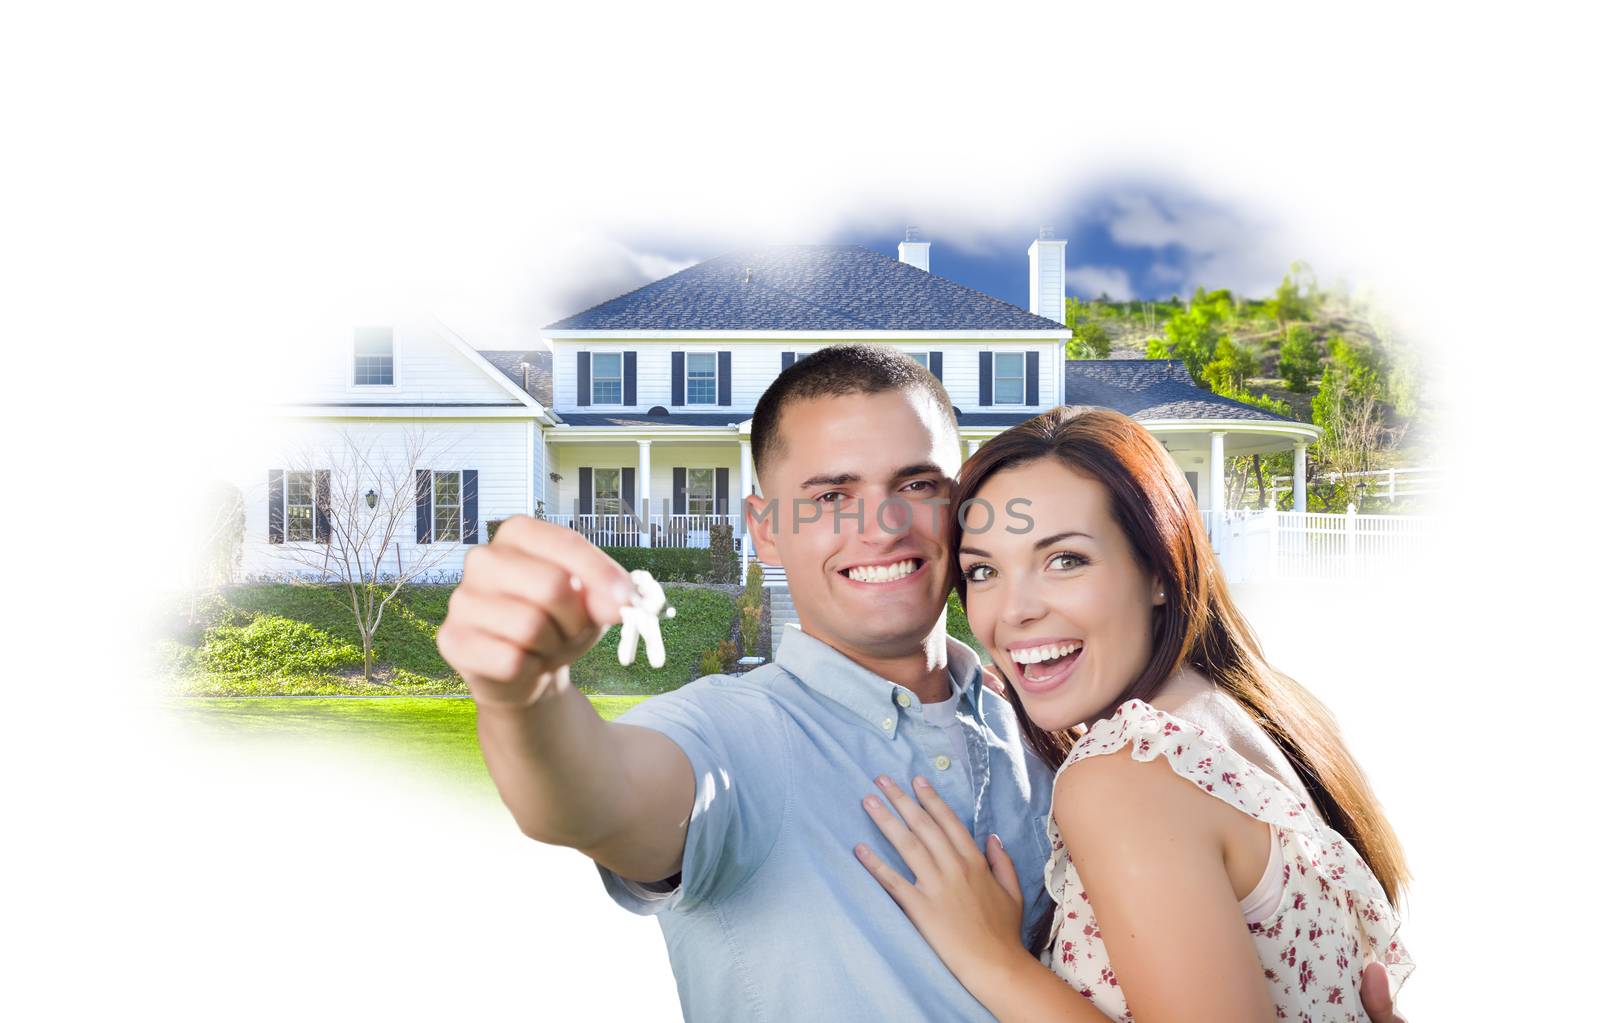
column 942, row 762
column 904, row 699
column 888, row 724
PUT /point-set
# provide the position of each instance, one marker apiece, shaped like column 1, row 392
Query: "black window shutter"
column 985, row 378
column 469, row 506
column 1032, row 384
column 630, row 378
column 629, row 475
column 936, row 365
column 677, row 378
column 274, row 506
column 424, row 506
column 722, row 491
column 585, row 491
column 788, row 359
column 322, row 499
column 680, row 487
column 583, row 378
column 724, row 378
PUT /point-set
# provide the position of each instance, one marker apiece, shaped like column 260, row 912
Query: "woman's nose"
column 1020, row 604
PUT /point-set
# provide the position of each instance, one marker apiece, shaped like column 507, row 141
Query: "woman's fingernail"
column 861, row 852
column 997, row 841
column 883, row 781
column 920, row 782
column 871, row 803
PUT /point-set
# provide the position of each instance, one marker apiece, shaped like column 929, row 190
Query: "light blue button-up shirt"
column 774, row 918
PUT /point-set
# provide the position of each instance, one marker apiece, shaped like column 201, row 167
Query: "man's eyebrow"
column 1046, row 542
column 851, row 477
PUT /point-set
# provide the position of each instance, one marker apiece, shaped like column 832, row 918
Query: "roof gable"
column 802, row 288
column 1148, row 389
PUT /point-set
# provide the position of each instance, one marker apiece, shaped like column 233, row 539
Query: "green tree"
column 1232, row 365
column 1192, row 335
column 1299, row 362
column 1297, row 297
column 1089, row 337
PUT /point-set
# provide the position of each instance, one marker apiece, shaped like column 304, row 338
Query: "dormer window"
column 606, row 382
column 702, row 378
column 1010, row 378
column 374, row 357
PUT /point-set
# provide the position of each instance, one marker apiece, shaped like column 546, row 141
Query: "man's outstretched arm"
column 530, row 603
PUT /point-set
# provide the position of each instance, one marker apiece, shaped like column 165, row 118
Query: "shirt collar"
column 870, row 697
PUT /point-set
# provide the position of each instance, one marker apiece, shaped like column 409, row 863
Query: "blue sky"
column 1129, row 241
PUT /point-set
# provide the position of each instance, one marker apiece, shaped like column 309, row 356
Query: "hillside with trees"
column 1319, row 356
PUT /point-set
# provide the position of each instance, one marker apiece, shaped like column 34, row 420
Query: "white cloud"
column 1093, row 281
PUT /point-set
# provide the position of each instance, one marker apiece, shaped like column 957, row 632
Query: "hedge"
column 667, row 564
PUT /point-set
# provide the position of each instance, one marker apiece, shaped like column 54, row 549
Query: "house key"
column 643, row 618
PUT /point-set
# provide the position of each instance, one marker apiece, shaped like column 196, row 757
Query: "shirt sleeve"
column 737, row 742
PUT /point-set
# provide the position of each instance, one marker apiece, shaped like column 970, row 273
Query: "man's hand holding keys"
column 530, row 602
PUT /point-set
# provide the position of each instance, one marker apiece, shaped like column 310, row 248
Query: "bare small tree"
column 1355, row 434
column 365, row 493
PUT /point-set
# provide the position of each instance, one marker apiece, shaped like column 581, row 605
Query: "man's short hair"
column 835, row 371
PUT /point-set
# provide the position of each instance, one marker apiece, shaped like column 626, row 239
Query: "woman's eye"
column 1066, row 560
column 977, row 573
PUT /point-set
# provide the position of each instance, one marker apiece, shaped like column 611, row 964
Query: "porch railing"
column 630, row 530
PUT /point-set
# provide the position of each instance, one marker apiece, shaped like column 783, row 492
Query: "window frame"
column 594, row 483
column 310, row 505
column 1021, row 378
column 460, row 507
column 689, row 377
column 689, row 497
column 351, row 385
column 922, row 358
column 595, row 378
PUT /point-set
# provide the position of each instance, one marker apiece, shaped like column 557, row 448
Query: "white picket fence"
column 1263, row 544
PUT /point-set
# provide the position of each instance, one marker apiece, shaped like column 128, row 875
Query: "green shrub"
column 753, row 578
column 703, row 618
column 710, row 662
column 271, row 644
column 955, row 622
column 727, row 654
column 724, row 561
column 667, row 564
column 750, row 629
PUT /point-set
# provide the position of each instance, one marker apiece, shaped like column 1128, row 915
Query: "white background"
column 192, row 193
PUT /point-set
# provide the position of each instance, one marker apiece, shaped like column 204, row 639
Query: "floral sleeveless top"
column 1331, row 920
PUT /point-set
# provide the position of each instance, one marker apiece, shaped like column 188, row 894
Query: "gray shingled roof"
column 539, row 370
column 1152, row 389
column 641, row 419
column 804, row 287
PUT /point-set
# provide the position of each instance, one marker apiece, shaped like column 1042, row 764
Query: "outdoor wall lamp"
column 372, row 499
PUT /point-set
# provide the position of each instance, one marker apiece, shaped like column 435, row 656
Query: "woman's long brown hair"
column 1197, row 626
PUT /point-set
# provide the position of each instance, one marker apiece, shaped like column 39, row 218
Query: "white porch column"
column 1299, row 477
column 646, row 507
column 747, row 481
column 1218, row 499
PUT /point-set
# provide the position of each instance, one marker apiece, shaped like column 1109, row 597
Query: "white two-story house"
column 643, row 402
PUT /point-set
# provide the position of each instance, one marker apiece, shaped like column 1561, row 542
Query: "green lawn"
column 438, row 734
column 300, row 640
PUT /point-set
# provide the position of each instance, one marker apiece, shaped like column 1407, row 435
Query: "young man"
column 730, row 808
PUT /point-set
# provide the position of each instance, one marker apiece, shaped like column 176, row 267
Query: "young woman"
column 1228, row 860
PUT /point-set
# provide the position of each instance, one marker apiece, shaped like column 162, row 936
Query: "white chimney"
column 1047, row 277
column 914, row 252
